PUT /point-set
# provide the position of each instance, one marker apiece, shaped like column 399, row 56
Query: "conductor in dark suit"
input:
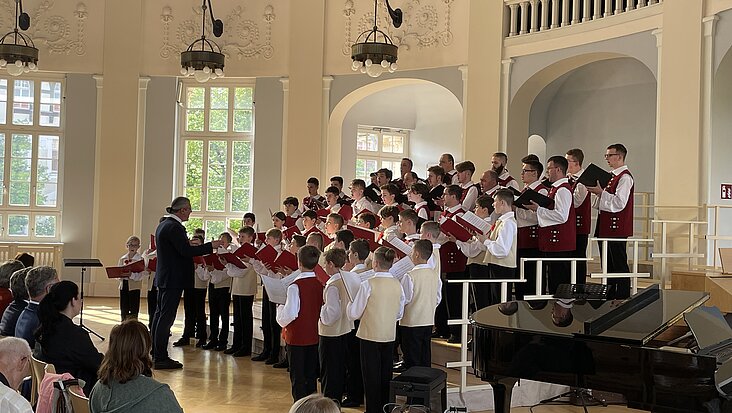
column 174, row 272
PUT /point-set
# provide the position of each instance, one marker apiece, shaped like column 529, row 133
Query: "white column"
column 324, row 170
column 565, row 12
column 608, row 9
column 586, row 12
column 524, row 17
column 140, row 151
column 555, row 13
column 630, row 6
column 534, row 15
column 544, row 14
column 99, row 79
column 597, row 14
column 464, row 76
column 708, row 86
column 659, row 50
column 285, row 111
column 618, row 6
column 513, row 22
column 641, row 3
column 576, row 12
column 505, row 102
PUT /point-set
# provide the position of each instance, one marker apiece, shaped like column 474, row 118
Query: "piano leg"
column 502, row 390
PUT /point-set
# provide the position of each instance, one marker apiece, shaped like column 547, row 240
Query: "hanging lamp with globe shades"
column 374, row 52
column 203, row 59
column 20, row 56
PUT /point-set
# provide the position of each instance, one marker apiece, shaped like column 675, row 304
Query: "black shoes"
column 261, row 357
column 231, row 350
column 271, row 360
column 182, row 342
column 168, row 364
column 453, row 339
column 350, row 403
column 242, row 353
column 281, row 364
column 220, row 347
column 201, row 342
column 210, row 345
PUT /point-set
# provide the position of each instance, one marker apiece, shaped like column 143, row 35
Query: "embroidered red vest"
column 290, row 221
column 617, row 224
column 303, row 331
column 451, row 259
column 466, row 190
column 504, row 182
column 528, row 237
column 583, row 212
column 561, row 237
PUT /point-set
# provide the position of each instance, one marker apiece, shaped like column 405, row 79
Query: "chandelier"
column 203, row 59
column 20, row 56
column 374, row 52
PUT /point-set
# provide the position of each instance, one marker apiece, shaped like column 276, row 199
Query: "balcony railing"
column 533, row 16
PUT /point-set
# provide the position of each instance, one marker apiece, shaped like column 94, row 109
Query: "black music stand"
column 84, row 263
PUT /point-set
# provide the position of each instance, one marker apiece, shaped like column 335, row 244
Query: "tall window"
column 380, row 148
column 215, row 153
column 31, row 136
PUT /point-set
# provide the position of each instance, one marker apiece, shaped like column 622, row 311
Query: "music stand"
column 84, row 263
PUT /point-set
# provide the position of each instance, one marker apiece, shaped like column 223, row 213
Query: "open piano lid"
column 635, row 320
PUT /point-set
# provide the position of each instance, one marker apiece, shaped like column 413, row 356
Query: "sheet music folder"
column 82, row 262
column 594, row 174
column 531, row 195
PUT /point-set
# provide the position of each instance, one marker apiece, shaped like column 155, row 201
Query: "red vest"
column 314, row 204
column 426, row 209
column 583, row 213
column 616, row 224
column 290, row 221
column 303, row 331
column 528, row 237
column 466, row 190
column 451, row 259
column 561, row 237
column 504, row 182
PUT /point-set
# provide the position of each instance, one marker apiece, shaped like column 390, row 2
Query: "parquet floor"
column 213, row 382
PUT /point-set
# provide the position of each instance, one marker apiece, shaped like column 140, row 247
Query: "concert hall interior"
column 114, row 118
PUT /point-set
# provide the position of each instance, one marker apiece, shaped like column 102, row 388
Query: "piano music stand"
column 83, row 263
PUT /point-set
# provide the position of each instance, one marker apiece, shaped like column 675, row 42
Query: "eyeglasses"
column 607, row 155
column 523, row 171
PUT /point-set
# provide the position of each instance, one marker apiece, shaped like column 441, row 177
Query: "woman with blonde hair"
column 125, row 376
column 315, row 403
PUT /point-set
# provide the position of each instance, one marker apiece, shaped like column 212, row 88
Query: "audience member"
column 14, row 367
column 20, row 301
column 37, row 282
column 61, row 342
column 125, row 376
column 28, row 260
column 6, row 270
column 315, row 403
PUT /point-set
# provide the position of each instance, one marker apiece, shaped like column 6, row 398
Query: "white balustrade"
column 633, row 274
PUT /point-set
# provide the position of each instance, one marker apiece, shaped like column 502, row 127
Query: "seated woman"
column 125, row 383
column 61, row 342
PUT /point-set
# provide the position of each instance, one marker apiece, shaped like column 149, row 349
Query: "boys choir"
column 370, row 269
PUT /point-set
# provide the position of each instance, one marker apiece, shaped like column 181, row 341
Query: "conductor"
column 174, row 272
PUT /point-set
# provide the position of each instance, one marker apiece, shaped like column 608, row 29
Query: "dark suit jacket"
column 28, row 323
column 175, row 256
column 10, row 317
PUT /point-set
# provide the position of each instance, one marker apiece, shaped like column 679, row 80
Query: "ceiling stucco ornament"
column 59, row 31
column 427, row 24
column 247, row 38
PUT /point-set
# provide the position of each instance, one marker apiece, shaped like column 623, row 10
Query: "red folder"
column 399, row 253
column 232, row 259
column 451, row 227
column 322, row 213
column 346, row 212
column 286, row 259
column 460, row 220
column 369, row 235
column 246, row 250
column 212, row 260
column 125, row 270
column 326, row 239
column 261, row 237
column 152, row 264
column 196, row 260
column 290, row 231
column 267, row 255
column 321, row 275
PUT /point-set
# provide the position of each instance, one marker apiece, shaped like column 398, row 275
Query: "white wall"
column 431, row 112
column 721, row 148
column 600, row 104
column 268, row 100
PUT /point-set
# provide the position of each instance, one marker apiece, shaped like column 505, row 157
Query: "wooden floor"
column 213, row 382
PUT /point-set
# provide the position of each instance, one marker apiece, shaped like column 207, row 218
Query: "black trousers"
column 376, row 369
column 167, row 308
column 243, row 321
column 483, row 292
column 558, row 272
column 354, row 377
column 129, row 301
column 617, row 261
column 303, row 370
column 498, row 272
column 416, row 346
column 441, row 327
column 333, row 353
column 581, row 252
column 270, row 329
column 152, row 305
column 218, row 306
column 528, row 287
column 454, row 299
column 199, row 299
column 189, row 311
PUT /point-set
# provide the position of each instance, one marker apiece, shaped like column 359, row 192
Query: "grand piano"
column 634, row 347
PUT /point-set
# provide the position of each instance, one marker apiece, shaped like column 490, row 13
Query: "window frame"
column 206, row 137
column 35, row 131
column 379, row 155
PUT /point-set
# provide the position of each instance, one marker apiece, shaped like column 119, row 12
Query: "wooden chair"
column 38, row 370
column 79, row 403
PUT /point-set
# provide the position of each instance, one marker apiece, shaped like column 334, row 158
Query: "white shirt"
column 454, row 180
column 358, row 267
column 298, row 219
column 411, row 238
column 288, row 312
column 435, row 251
column 563, row 204
column 492, row 191
column 134, row 276
column 392, row 231
column 356, row 308
column 361, row 205
column 616, row 202
column 408, row 285
column 12, row 402
column 471, row 196
column 175, row 217
column 580, row 191
column 472, row 248
column 330, row 313
column 527, row 217
column 512, row 183
column 422, row 212
column 501, row 247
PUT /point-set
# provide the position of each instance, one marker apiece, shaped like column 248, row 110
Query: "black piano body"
column 549, row 341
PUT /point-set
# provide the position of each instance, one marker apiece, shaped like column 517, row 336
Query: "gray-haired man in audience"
column 38, row 281
column 14, row 367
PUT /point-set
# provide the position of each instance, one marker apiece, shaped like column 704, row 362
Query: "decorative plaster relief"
column 244, row 38
column 426, row 24
column 52, row 32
